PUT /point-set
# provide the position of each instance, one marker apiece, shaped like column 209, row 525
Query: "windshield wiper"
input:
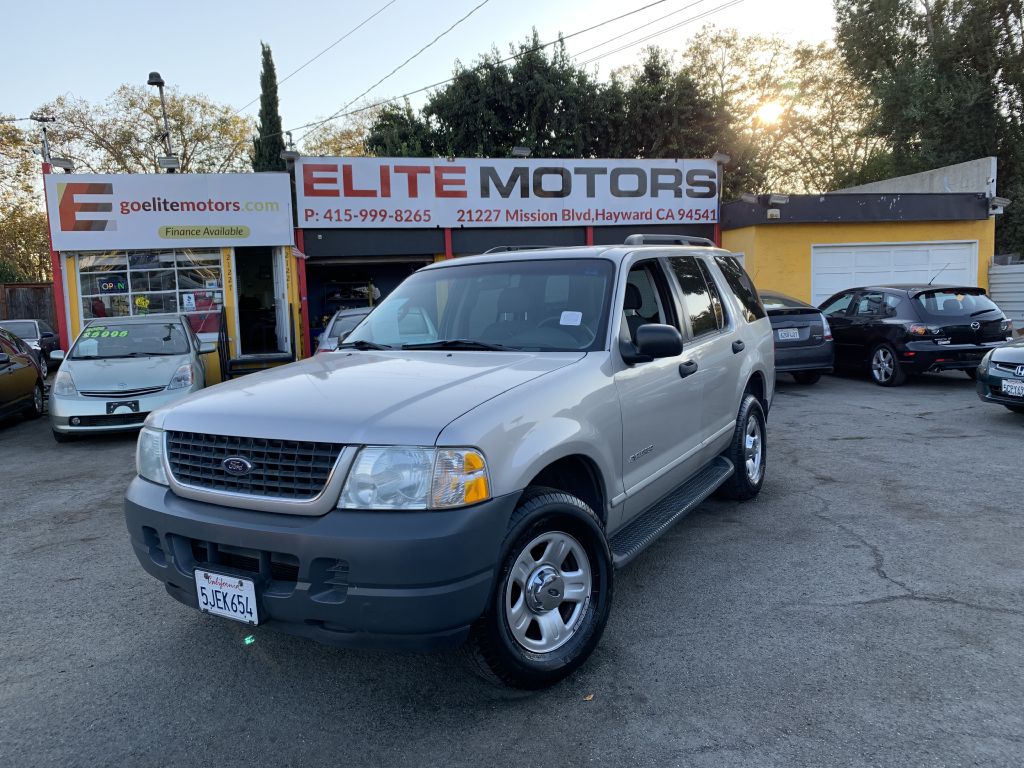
column 363, row 345
column 460, row 344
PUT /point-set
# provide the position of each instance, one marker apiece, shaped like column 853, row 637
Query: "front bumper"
column 92, row 411
column 922, row 356
column 396, row 580
column 990, row 388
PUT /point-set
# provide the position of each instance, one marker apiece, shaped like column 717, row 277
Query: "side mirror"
column 207, row 347
column 57, row 354
column 653, row 340
column 5, row 359
column 47, row 335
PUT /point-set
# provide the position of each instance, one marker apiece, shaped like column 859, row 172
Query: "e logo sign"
column 69, row 207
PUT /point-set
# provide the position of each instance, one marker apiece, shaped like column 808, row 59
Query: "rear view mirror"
column 47, row 335
column 57, row 354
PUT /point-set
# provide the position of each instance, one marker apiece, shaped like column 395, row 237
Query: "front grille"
column 111, row 420
column 1008, row 367
column 281, row 469
column 122, row 394
column 278, row 566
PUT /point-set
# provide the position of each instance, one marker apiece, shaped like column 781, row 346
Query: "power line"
column 651, row 36
column 473, row 10
column 636, row 29
column 325, row 50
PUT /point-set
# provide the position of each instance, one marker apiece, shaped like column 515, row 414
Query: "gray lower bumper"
column 400, row 580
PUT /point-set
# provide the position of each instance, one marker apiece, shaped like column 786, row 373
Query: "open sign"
column 114, row 285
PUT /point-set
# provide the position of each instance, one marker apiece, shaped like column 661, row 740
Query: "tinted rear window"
column 21, row 328
column 948, row 304
column 740, row 283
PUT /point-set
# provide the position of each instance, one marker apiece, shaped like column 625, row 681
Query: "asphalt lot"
column 866, row 610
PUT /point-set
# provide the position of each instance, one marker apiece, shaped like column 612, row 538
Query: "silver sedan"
column 122, row 368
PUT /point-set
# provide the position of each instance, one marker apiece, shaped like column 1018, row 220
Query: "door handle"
column 737, row 347
column 687, row 369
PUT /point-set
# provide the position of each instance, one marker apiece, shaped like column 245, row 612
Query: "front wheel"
column 44, row 365
column 748, row 452
column 807, row 377
column 551, row 599
column 972, row 373
column 35, row 408
column 885, row 368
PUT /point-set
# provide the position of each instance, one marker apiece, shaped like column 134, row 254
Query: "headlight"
column 983, row 365
column 183, row 377
column 149, row 455
column 384, row 477
column 63, row 384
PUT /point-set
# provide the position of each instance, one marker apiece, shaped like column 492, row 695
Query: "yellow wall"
column 778, row 256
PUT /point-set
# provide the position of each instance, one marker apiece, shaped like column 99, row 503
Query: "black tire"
column 1016, row 409
column 807, row 377
column 35, row 408
column 745, row 484
column 972, row 373
column 493, row 648
column 44, row 365
column 886, row 370
column 62, row 437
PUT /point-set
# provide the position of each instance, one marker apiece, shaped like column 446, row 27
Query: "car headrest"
column 634, row 300
column 513, row 302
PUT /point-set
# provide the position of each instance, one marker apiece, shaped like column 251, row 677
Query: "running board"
column 645, row 529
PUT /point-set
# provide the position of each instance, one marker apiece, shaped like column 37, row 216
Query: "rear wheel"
column 44, row 365
column 885, row 368
column 748, row 452
column 972, row 373
column 552, row 596
column 807, row 377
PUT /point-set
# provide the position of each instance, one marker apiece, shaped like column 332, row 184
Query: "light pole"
column 170, row 162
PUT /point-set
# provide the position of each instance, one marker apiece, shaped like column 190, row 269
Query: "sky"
column 87, row 49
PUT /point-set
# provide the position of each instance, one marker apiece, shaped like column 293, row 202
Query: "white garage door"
column 837, row 267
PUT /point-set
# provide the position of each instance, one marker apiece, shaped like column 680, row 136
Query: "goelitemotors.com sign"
column 111, row 212
column 436, row 192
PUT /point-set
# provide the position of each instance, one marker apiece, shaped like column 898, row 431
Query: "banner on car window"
column 98, row 212
column 346, row 192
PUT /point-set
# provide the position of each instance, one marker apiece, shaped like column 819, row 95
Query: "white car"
column 120, row 369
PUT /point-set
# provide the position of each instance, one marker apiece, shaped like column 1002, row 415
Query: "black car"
column 38, row 335
column 899, row 330
column 21, row 381
column 1001, row 376
column 803, row 339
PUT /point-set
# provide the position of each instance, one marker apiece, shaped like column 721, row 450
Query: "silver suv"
column 474, row 462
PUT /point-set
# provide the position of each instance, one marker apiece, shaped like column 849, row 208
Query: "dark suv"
column 900, row 330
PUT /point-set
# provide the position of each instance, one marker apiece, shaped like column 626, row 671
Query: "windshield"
column 21, row 328
column 343, row 325
column 543, row 305
column 130, row 340
column 951, row 303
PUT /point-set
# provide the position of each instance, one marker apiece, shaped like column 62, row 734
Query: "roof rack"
column 507, row 248
column 669, row 240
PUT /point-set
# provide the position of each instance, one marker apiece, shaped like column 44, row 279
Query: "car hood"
column 123, row 373
column 359, row 398
column 1010, row 353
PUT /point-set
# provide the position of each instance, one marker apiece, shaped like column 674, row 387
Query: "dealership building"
column 262, row 279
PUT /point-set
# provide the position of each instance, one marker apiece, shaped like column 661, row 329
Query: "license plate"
column 126, row 406
column 227, row 596
column 789, row 334
column 1013, row 387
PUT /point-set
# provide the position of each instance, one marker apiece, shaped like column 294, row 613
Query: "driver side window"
column 646, row 299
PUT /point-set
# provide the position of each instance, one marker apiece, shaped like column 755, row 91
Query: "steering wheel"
column 580, row 333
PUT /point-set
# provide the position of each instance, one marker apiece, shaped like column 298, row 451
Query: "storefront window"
column 151, row 282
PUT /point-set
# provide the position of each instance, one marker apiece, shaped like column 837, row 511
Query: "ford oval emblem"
column 237, row 466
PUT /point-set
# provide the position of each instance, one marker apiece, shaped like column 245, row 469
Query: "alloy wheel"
column 753, row 450
column 883, row 365
column 547, row 592
column 37, row 400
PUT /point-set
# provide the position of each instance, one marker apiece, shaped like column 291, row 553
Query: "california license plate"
column 789, row 334
column 1013, row 387
column 227, row 596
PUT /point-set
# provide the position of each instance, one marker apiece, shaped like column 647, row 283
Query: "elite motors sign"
column 115, row 212
column 363, row 192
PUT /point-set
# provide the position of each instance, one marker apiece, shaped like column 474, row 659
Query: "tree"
column 947, row 79
column 122, row 133
column 347, row 139
column 24, row 243
column 269, row 142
